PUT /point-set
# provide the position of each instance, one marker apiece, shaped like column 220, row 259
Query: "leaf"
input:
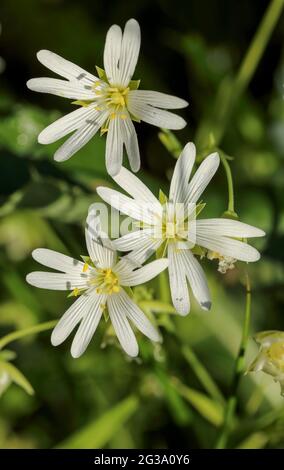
column 256, row 440
column 98, row 433
column 181, row 413
column 211, row 410
column 16, row 376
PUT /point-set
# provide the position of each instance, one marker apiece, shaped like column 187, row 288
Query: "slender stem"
column 227, row 168
column 239, row 370
column 230, row 92
column 26, row 331
column 257, row 46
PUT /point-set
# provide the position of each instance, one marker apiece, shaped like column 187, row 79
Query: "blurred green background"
column 193, row 49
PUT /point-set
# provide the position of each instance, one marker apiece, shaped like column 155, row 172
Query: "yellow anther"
column 85, row 267
column 116, row 289
column 123, row 116
column 76, row 292
column 112, row 116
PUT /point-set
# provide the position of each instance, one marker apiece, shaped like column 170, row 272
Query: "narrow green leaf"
column 203, row 375
column 209, row 409
column 98, row 433
column 17, row 376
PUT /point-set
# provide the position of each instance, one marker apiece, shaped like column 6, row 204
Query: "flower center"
column 276, row 354
column 117, row 97
column 174, row 227
column 106, row 281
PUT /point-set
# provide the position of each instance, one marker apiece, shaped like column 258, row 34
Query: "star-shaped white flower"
column 100, row 283
column 168, row 225
column 109, row 102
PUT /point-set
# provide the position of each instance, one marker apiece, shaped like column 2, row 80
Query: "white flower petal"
column 66, row 89
column 138, row 210
column 130, row 47
column 98, row 246
column 155, row 116
column 135, row 187
column 66, row 124
column 57, row 281
column 229, row 228
column 132, row 240
column 53, row 259
column 65, row 68
column 112, row 53
column 121, row 325
column 131, row 143
column 196, row 279
column 145, row 249
column 178, row 284
column 80, row 138
column 157, row 99
column 144, row 274
column 71, row 317
column 88, row 325
column 114, row 147
column 202, row 177
column 181, row 175
column 227, row 247
column 137, row 317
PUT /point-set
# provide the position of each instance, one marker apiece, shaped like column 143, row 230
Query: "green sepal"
column 161, row 251
column 88, row 260
column 230, row 215
column 82, row 102
column 129, row 291
column 106, row 315
column 198, row 250
column 162, row 197
column 134, row 84
column 199, row 208
column 101, row 74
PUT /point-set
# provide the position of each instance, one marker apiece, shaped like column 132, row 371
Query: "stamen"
column 85, row 267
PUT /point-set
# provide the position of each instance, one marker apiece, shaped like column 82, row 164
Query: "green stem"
column 230, row 92
column 239, row 371
column 227, row 168
column 26, row 331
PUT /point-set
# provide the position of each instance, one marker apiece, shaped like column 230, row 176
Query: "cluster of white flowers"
column 111, row 102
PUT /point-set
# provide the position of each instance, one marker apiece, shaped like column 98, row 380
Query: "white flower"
column 99, row 282
column 270, row 358
column 177, row 233
column 110, row 102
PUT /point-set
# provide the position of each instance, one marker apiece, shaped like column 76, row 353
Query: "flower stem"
column 230, row 91
column 26, row 331
column 238, row 372
column 227, row 168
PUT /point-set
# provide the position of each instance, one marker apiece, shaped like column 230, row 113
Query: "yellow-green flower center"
column 106, row 281
column 275, row 353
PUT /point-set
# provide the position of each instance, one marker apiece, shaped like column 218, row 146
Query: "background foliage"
column 171, row 396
